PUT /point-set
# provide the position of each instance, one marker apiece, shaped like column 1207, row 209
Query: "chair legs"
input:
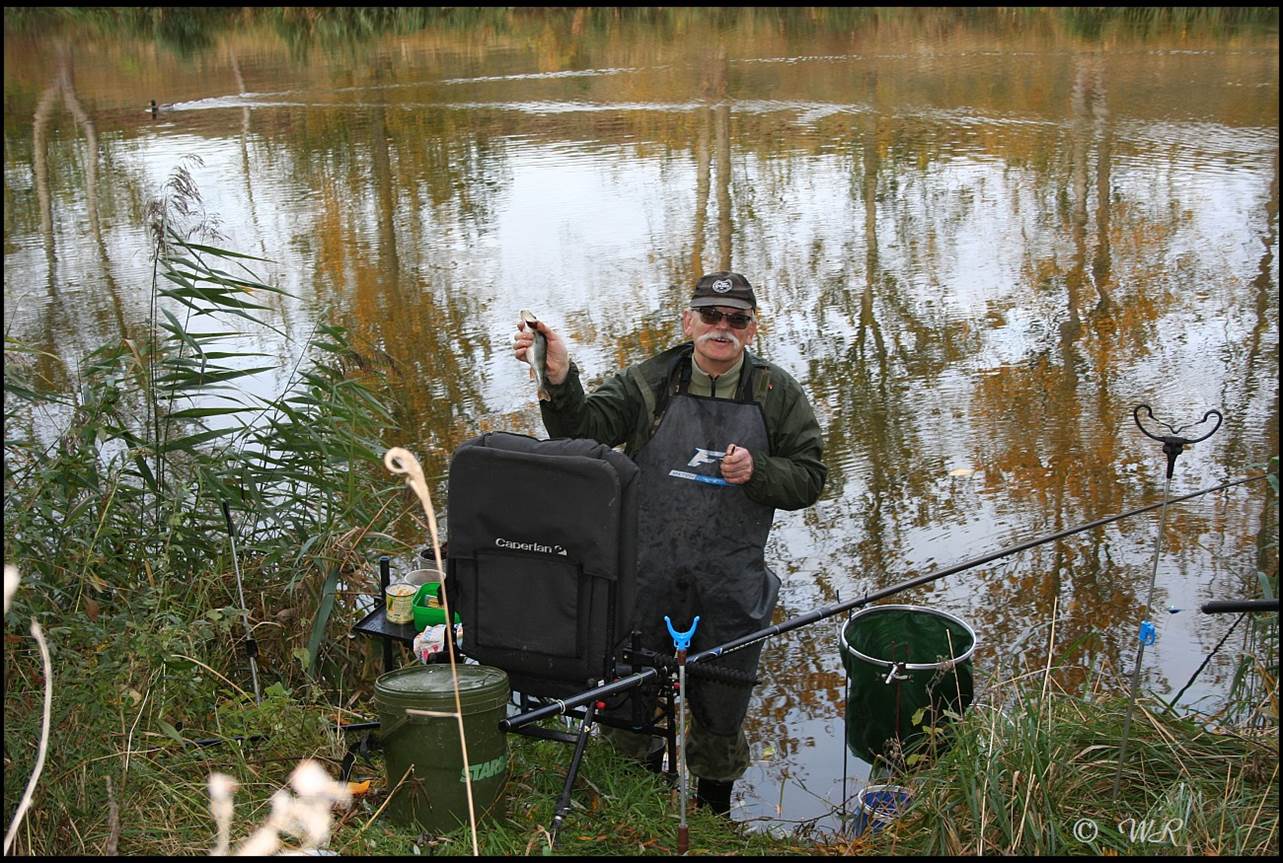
column 563, row 803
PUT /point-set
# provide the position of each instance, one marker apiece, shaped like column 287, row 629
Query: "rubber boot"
column 654, row 762
column 715, row 795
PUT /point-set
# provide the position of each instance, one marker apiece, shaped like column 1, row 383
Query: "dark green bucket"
column 434, row 794
column 902, row 659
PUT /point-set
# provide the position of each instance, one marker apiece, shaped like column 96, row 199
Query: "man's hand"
column 737, row 465
column 557, row 363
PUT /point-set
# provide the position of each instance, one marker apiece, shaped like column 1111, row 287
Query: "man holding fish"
column 723, row 439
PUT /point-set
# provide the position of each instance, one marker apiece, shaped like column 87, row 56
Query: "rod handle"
column 1225, row 606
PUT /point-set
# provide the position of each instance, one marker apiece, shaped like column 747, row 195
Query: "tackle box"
column 426, row 612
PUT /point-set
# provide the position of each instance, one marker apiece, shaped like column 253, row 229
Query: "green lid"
column 430, row 687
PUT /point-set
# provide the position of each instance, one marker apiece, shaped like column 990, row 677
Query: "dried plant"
column 180, row 209
column 305, row 814
column 11, row 581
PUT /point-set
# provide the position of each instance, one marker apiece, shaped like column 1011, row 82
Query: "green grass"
column 1014, row 781
column 160, row 789
column 618, row 809
column 1036, row 779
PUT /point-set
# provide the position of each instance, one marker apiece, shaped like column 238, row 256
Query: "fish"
column 537, row 355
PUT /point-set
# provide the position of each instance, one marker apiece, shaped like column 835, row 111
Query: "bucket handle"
column 399, row 722
column 390, row 728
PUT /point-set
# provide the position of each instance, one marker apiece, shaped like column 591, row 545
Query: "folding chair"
column 542, row 572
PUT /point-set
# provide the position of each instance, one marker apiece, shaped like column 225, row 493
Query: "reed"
column 112, row 493
column 1034, row 777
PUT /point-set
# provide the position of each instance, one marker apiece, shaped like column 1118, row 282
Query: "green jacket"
column 627, row 407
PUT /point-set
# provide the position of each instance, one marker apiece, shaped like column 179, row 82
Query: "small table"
column 376, row 623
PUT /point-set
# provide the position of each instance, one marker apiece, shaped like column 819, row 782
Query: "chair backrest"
column 543, row 557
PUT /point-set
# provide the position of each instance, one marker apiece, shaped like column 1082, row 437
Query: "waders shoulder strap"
column 754, row 383
column 761, row 383
column 676, row 380
column 650, row 403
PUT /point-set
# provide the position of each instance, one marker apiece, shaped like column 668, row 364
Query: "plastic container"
column 427, row 607
column 426, row 751
column 420, row 577
column 877, row 806
column 902, row 660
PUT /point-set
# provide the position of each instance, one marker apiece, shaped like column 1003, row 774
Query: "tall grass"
column 1031, row 771
column 1254, row 687
column 112, row 512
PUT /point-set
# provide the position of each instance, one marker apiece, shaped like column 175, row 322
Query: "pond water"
column 980, row 237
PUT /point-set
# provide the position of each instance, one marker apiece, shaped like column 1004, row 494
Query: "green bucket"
column 902, row 660
column 434, row 794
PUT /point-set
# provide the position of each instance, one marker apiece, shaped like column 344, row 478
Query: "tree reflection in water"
column 980, row 235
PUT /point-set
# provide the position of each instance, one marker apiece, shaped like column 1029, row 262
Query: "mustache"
column 715, row 335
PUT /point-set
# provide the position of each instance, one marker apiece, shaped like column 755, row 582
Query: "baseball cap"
column 724, row 289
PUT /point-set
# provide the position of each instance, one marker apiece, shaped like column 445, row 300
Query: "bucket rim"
column 424, row 575
column 908, row 666
column 480, row 688
column 902, row 792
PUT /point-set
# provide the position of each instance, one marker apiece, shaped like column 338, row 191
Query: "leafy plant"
column 112, row 510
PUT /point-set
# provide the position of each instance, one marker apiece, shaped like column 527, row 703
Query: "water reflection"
column 981, row 237
column 63, row 85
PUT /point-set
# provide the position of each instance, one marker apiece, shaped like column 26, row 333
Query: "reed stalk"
column 111, row 511
column 1029, row 773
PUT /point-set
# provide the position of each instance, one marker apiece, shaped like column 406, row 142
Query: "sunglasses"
column 712, row 317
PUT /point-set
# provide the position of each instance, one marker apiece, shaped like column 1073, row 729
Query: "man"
column 723, row 438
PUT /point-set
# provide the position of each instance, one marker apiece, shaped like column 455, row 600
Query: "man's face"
column 718, row 345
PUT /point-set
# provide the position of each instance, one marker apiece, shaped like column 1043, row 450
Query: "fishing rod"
column 1226, row 606
column 560, row 706
column 1229, row 606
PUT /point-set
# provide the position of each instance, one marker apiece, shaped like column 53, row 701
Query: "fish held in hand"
column 537, row 354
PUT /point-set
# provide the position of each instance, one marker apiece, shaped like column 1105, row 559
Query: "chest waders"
column 701, row 545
